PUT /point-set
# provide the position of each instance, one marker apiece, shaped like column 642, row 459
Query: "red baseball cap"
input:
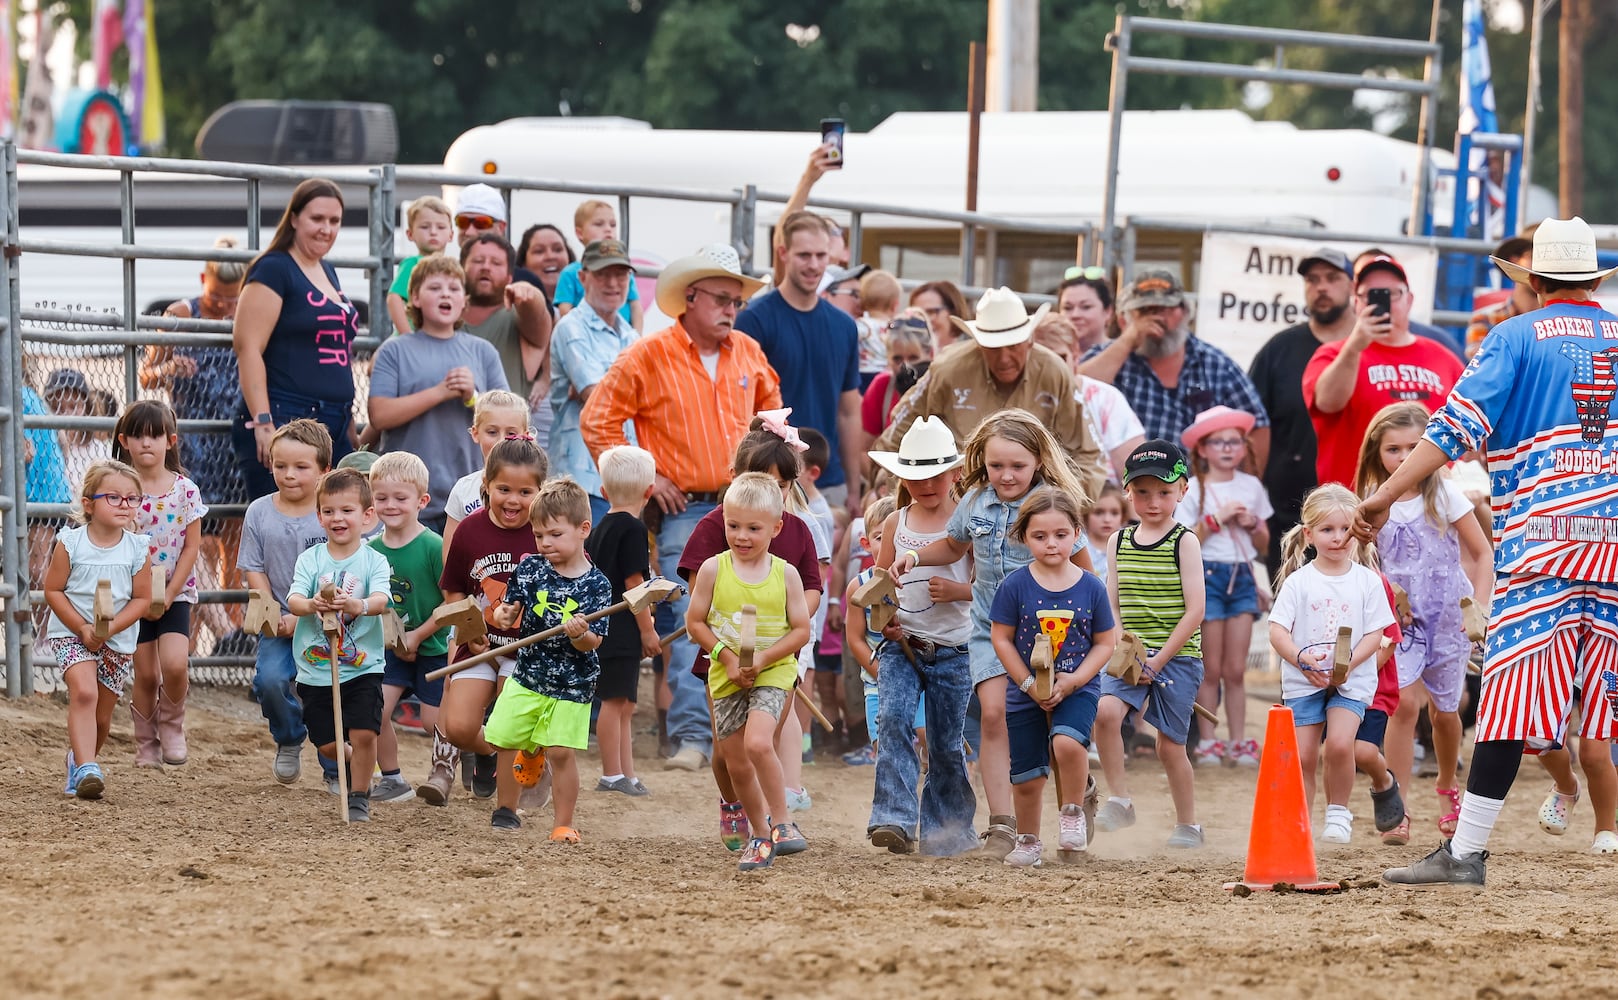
column 1380, row 262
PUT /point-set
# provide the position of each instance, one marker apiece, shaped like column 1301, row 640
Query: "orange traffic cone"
column 1280, row 847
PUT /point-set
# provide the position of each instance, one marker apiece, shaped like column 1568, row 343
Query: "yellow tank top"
column 730, row 592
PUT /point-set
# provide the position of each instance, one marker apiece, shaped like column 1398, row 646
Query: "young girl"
column 1105, row 518
column 1433, row 547
column 1313, row 601
column 925, row 663
column 1227, row 508
column 499, row 416
column 488, row 546
column 170, row 515
column 1008, row 455
column 100, row 547
column 1055, row 598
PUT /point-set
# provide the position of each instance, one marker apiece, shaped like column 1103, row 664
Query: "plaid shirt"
column 1208, row 378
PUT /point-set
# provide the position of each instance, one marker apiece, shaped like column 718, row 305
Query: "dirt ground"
column 210, row 880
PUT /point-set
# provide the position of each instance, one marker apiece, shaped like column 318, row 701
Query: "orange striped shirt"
column 690, row 422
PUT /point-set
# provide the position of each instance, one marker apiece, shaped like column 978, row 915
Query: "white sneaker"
column 1210, row 753
column 798, row 800
column 1606, row 843
column 1073, row 836
column 1028, row 853
column 1337, row 831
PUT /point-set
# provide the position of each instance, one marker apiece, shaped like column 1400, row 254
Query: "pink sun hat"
column 1213, row 420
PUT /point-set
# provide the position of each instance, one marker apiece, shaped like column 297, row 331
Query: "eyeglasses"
column 722, row 301
column 936, row 310
column 117, row 499
column 1224, row 444
column 476, row 221
column 853, row 293
column 909, row 323
column 1091, row 273
column 1394, row 294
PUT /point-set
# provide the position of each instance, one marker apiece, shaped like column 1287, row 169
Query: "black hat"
column 1157, row 459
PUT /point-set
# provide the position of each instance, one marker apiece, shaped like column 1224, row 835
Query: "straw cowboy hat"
column 927, row 449
column 716, row 260
column 1564, row 250
column 1002, row 319
column 1214, row 420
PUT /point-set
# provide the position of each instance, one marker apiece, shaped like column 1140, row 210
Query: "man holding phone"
column 1380, row 362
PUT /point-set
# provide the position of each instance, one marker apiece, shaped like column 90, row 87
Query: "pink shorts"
column 114, row 670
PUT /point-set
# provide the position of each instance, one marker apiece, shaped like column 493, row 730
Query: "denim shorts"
column 1311, row 709
column 412, row 675
column 1031, row 734
column 1373, row 727
column 1231, row 590
column 1166, row 701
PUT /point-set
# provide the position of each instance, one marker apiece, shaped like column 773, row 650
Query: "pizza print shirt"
column 1071, row 618
column 164, row 518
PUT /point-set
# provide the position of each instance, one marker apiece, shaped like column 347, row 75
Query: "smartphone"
column 1381, row 300
column 831, row 132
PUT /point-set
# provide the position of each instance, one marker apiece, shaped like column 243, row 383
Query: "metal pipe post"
column 126, row 213
column 19, row 629
column 1118, row 42
column 743, row 223
column 381, row 277
column 856, row 237
column 623, row 220
column 254, row 213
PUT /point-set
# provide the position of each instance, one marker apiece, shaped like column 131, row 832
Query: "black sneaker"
column 483, row 770
column 359, row 807
column 505, row 819
column 1440, row 868
column 1389, row 807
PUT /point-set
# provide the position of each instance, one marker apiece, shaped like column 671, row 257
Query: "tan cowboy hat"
column 716, row 260
column 927, row 449
column 1002, row 319
column 1564, row 250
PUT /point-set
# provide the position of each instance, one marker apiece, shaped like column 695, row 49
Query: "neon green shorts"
column 526, row 720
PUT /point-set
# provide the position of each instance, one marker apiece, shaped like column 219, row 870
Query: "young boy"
column 544, row 709
column 360, row 574
column 424, row 388
column 499, row 414
column 415, row 558
column 430, row 228
column 1157, row 593
column 618, row 547
column 879, row 297
column 747, row 702
column 275, row 531
column 594, row 220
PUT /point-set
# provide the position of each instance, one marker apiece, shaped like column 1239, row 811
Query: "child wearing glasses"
column 97, row 658
column 1227, row 508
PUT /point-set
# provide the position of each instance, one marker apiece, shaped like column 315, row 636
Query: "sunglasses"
column 475, row 221
column 1091, row 273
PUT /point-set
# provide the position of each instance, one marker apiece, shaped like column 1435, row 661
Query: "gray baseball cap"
column 1331, row 257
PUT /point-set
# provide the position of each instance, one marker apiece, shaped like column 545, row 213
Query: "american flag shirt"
column 1536, row 400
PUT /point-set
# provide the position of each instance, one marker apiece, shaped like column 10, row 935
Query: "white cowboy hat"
column 716, row 260
column 1564, row 250
column 927, row 449
column 1002, row 319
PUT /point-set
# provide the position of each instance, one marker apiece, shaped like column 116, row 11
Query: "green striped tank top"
column 1151, row 600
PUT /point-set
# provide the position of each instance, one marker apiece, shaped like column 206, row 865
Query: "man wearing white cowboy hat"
column 690, row 390
column 1537, row 400
column 1002, row 368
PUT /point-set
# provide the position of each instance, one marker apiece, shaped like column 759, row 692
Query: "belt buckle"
column 924, row 648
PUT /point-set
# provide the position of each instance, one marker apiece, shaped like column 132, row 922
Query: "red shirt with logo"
column 1423, row 371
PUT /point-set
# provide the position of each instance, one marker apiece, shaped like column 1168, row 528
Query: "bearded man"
column 514, row 317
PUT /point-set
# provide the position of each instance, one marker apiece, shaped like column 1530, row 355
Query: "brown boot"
column 435, row 790
column 170, row 720
column 148, row 752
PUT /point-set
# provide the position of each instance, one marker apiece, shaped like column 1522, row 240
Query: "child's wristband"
column 713, row 654
column 1211, row 522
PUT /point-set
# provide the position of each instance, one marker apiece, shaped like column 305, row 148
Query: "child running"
column 926, row 665
column 1008, row 455
column 545, row 715
column 95, row 668
column 500, row 415
column 147, row 437
column 1157, row 594
column 1228, row 509
column 1054, row 598
column 1313, row 601
column 748, row 701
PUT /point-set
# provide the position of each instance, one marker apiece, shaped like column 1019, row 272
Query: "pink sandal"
column 1448, row 821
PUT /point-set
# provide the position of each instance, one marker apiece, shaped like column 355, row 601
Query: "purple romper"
column 1427, row 565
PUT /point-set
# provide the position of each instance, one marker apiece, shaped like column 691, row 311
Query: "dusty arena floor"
column 210, row 880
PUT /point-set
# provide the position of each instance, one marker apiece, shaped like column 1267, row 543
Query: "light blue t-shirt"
column 362, row 574
column 570, row 291
column 89, row 564
column 583, row 347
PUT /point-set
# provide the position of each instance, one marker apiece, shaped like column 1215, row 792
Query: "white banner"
column 1248, row 287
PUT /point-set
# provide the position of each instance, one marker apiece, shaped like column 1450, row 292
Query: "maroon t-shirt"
column 481, row 557
column 795, row 544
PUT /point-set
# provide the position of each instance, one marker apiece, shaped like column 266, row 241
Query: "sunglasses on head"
column 475, row 221
column 1091, row 273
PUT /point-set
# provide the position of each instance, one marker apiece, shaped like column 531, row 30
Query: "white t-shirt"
column 1452, row 505
column 1231, row 544
column 465, row 497
column 1111, row 417
column 1312, row 606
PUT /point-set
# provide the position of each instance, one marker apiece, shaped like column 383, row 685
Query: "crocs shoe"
column 88, row 781
column 1399, row 836
column 1388, row 807
column 1029, row 852
column 564, row 835
column 732, row 825
column 1073, row 837
column 1556, row 810
column 1606, row 843
column 527, row 767
column 759, row 853
column 788, row 839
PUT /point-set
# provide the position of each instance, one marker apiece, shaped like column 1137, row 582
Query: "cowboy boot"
column 170, row 720
column 148, row 753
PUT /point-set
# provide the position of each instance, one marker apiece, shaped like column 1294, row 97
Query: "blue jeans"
column 286, row 407
column 273, row 675
column 947, row 803
column 688, row 713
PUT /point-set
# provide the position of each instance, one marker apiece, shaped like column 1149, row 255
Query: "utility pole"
column 1570, row 128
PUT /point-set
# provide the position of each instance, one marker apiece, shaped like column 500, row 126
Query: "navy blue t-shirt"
column 817, row 356
column 308, row 352
column 1071, row 618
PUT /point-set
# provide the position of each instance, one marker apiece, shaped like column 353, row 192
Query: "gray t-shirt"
column 500, row 329
column 272, row 543
column 407, row 365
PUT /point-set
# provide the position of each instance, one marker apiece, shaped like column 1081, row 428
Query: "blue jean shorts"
column 1311, row 709
column 1167, row 700
column 412, row 675
column 1373, row 727
column 1031, row 736
column 1231, row 590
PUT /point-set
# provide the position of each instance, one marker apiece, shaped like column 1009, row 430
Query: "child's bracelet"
column 1211, row 522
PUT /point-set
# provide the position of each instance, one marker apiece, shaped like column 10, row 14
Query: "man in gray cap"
column 1277, row 375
